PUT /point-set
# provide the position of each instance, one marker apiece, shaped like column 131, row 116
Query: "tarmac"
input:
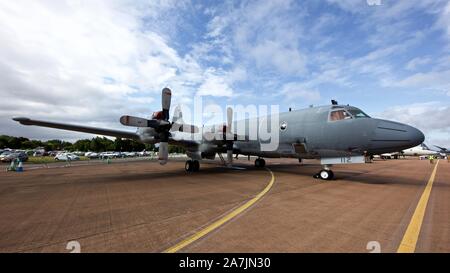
column 141, row 206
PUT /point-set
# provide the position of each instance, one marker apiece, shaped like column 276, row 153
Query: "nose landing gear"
column 325, row 174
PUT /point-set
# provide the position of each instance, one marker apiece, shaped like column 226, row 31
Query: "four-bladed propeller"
column 162, row 126
column 160, row 122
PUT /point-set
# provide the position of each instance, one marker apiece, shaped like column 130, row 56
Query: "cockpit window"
column 358, row 113
column 339, row 115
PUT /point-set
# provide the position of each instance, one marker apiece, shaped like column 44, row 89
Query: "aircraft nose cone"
column 415, row 135
column 392, row 136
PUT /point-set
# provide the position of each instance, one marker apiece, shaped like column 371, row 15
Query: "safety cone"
column 20, row 167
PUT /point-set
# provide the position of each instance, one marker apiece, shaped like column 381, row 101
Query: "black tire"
column 260, row 163
column 195, row 165
column 331, row 175
column 257, row 163
column 188, row 166
column 263, row 163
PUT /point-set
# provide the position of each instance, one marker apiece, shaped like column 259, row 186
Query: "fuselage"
column 314, row 133
column 317, row 132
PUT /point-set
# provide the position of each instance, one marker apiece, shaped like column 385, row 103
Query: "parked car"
column 10, row 156
column 129, row 154
column 91, row 155
column 119, row 155
column 66, row 157
column 4, row 154
column 106, row 155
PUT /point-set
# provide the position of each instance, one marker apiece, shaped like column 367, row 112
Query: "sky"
column 90, row 62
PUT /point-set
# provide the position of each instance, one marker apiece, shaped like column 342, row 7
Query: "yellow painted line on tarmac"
column 409, row 241
column 222, row 220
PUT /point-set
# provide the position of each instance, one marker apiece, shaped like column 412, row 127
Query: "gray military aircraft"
column 334, row 134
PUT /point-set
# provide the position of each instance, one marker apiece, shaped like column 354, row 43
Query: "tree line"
column 96, row 144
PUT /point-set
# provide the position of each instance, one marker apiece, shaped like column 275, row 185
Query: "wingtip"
column 21, row 120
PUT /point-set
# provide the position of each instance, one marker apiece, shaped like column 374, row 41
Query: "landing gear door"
column 300, row 149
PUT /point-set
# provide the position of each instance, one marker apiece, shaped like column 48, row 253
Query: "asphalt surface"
column 144, row 207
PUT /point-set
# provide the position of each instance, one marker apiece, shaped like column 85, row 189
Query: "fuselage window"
column 339, row 115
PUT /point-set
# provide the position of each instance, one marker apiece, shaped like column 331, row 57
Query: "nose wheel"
column 192, row 166
column 325, row 175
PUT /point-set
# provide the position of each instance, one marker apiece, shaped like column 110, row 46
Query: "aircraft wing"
column 78, row 128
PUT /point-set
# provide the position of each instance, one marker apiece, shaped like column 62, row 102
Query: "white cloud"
column 297, row 90
column 275, row 55
column 349, row 5
column 214, row 85
column 417, row 62
column 433, row 80
column 444, row 20
column 430, row 117
column 89, row 62
column 262, row 32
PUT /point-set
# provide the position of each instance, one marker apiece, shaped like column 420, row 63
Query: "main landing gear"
column 192, row 166
column 325, row 174
column 260, row 163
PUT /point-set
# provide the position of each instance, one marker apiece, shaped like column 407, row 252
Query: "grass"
column 47, row 159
